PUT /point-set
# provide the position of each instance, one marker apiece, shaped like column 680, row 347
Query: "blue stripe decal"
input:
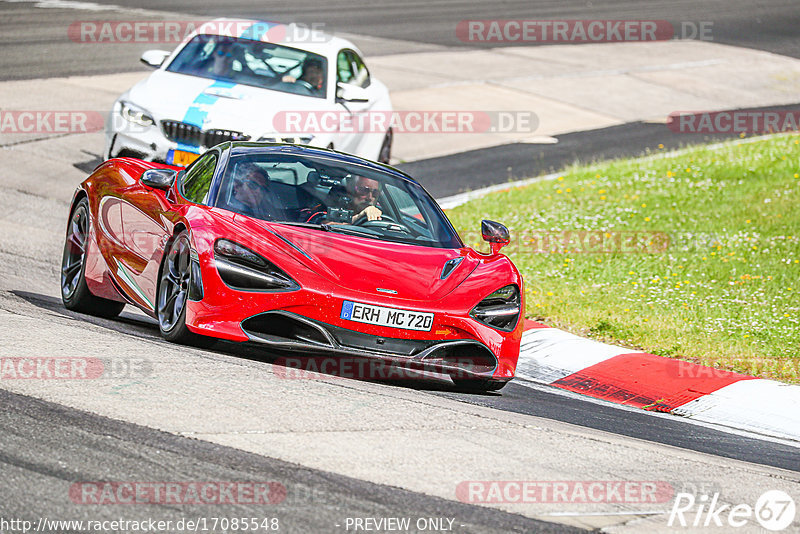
column 197, row 112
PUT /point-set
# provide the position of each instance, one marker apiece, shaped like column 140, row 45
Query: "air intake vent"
column 189, row 134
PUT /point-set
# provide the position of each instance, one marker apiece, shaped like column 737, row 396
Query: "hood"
column 210, row 104
column 364, row 265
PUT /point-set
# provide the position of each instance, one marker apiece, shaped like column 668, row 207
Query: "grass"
column 693, row 255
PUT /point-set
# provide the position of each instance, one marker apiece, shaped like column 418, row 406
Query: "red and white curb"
column 619, row 375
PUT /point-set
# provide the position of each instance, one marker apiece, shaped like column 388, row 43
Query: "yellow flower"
column 602, row 191
column 644, row 205
column 560, row 178
column 569, row 190
column 796, row 175
column 704, row 258
column 748, row 221
column 669, row 174
column 688, row 169
column 647, row 219
column 660, row 145
column 549, row 293
column 603, row 197
column 558, row 191
column 631, row 272
column 626, row 309
column 599, row 260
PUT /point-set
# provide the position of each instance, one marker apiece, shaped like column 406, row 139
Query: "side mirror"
column 351, row 93
column 495, row 234
column 154, row 58
column 159, row 178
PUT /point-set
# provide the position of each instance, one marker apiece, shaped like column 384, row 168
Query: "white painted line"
column 462, row 198
column 456, row 200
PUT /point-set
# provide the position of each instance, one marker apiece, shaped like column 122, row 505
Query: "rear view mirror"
column 154, row 58
column 495, row 234
column 159, row 178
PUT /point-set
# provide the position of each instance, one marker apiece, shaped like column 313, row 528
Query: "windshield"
column 248, row 62
column 329, row 195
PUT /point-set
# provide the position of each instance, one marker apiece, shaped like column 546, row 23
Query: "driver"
column 361, row 193
column 312, row 74
column 364, row 194
column 251, row 193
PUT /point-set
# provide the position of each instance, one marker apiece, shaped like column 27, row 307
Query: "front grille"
column 189, row 134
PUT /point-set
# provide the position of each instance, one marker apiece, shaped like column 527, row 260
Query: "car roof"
column 242, row 147
column 292, row 35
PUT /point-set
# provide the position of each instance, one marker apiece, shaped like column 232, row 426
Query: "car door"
column 351, row 70
column 147, row 220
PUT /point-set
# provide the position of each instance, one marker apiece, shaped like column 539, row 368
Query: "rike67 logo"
column 774, row 511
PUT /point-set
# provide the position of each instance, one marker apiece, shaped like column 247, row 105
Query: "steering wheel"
column 303, row 83
column 384, row 222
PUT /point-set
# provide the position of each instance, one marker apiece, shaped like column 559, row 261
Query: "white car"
column 240, row 80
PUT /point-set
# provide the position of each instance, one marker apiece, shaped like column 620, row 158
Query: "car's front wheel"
column 74, row 293
column 173, row 293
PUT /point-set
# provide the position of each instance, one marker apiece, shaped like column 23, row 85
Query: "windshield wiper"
column 316, row 226
column 346, row 229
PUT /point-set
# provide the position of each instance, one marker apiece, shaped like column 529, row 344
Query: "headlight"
column 241, row 268
column 500, row 310
column 135, row 114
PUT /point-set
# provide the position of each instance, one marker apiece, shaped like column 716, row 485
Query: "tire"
column 385, row 153
column 468, row 385
column 74, row 292
column 173, row 293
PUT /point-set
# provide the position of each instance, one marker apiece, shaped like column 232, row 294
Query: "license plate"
column 181, row 157
column 382, row 316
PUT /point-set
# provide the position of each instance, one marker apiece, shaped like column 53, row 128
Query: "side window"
column 198, row 180
column 350, row 68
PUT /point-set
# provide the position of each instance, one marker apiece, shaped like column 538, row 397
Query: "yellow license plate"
column 182, row 158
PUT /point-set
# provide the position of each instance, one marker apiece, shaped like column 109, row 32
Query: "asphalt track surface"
column 39, row 436
column 43, row 442
column 35, row 38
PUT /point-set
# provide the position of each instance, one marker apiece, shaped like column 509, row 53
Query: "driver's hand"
column 372, row 213
column 288, row 78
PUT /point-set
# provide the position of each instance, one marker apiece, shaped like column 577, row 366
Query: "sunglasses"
column 364, row 190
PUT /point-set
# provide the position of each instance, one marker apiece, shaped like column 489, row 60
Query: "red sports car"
column 295, row 248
